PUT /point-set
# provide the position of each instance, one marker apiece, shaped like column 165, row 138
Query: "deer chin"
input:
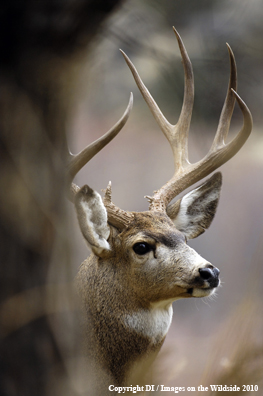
column 198, row 292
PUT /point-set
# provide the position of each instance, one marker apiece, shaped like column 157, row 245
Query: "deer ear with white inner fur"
column 193, row 213
column 92, row 217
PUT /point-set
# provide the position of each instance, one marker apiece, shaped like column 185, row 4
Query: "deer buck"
column 140, row 262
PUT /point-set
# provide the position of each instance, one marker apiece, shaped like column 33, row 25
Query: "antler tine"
column 158, row 115
column 181, row 129
column 227, row 151
column 229, row 104
column 117, row 217
column 177, row 135
column 78, row 161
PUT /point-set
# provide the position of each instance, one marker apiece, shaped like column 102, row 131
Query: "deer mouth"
column 201, row 292
column 206, row 283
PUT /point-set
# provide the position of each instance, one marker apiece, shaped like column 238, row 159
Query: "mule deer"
column 140, row 262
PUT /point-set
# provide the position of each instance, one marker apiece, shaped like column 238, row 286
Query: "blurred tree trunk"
column 41, row 43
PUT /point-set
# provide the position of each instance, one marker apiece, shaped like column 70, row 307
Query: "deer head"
column 141, row 261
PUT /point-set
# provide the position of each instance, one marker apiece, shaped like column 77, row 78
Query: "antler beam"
column 186, row 173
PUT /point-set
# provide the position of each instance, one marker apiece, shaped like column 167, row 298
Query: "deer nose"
column 211, row 275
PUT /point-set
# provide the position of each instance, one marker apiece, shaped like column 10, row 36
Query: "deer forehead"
column 152, row 226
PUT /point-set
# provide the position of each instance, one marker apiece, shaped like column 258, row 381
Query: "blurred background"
column 211, row 341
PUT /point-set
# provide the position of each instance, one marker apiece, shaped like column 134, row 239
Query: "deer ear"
column 193, row 213
column 92, row 217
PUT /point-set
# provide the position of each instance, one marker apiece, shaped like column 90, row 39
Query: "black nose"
column 211, row 275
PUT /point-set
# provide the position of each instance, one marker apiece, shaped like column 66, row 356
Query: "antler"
column 117, row 217
column 186, row 173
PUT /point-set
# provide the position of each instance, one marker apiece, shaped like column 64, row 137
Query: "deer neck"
column 152, row 322
column 123, row 332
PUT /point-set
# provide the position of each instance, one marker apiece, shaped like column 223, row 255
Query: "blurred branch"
column 42, row 46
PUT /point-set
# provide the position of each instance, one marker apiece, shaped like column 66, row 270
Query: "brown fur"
column 117, row 285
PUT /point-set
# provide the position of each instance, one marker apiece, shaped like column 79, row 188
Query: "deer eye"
column 142, row 248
